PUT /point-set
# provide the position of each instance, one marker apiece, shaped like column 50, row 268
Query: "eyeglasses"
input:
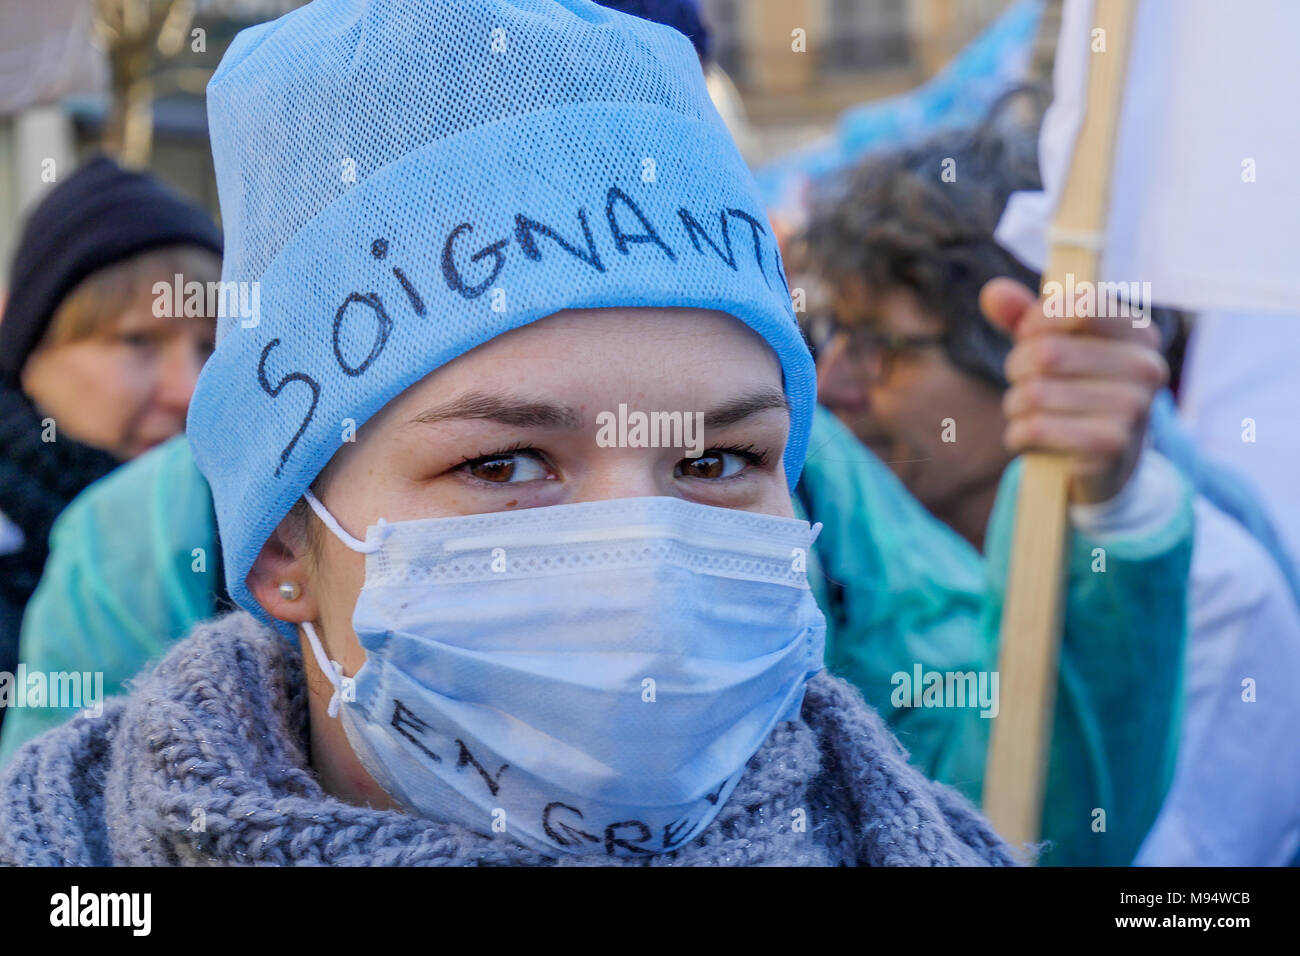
column 876, row 352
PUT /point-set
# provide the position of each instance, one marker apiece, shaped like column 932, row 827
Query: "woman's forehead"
column 554, row 372
column 644, row 320
column 645, row 342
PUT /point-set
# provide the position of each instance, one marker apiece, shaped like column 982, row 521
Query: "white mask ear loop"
column 327, row 519
column 332, row 670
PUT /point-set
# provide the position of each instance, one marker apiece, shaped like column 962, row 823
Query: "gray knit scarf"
column 220, row 726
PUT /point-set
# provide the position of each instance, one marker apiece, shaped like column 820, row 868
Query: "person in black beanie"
column 96, row 367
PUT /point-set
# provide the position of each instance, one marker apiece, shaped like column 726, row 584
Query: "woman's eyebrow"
column 505, row 409
column 742, row 407
column 522, row 412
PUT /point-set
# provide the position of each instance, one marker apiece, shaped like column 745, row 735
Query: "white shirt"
column 1241, row 368
column 1235, row 797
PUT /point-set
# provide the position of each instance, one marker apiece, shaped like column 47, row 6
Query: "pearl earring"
column 290, row 591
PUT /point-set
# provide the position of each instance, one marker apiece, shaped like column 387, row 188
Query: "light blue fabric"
column 1226, row 489
column 405, row 181
column 571, row 675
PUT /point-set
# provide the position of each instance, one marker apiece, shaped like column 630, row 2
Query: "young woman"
column 490, row 615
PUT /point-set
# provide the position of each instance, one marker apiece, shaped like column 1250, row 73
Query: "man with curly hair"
column 909, row 362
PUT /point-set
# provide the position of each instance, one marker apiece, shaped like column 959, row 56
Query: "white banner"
column 1205, row 197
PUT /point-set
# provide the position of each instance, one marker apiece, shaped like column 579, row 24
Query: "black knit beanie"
column 98, row 216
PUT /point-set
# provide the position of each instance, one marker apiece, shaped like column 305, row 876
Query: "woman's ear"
column 279, row 579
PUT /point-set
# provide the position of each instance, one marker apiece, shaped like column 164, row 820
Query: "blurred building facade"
column 798, row 64
column 785, row 69
column 58, row 86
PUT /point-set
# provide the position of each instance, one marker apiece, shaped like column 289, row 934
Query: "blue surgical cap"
column 401, row 182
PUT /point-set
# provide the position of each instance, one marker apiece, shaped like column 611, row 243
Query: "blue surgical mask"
column 581, row 678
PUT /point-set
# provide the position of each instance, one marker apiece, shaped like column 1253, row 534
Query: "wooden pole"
column 1031, row 621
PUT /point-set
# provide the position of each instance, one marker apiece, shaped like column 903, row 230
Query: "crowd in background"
column 1176, row 703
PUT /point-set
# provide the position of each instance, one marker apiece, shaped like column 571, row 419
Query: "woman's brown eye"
column 498, row 469
column 708, row 466
column 508, row 469
column 711, row 466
